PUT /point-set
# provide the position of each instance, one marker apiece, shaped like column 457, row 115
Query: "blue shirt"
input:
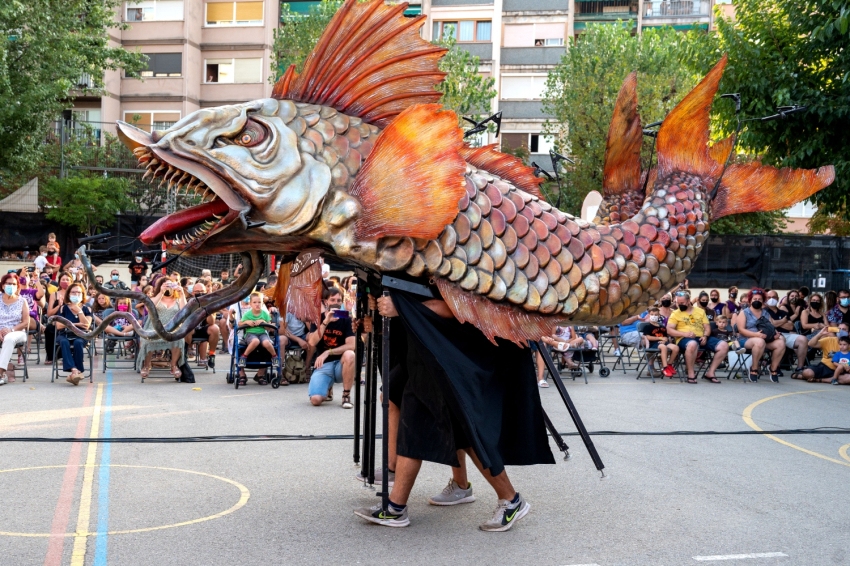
column 626, row 328
column 841, row 358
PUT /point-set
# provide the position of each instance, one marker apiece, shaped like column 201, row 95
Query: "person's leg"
column 319, row 383
column 662, row 349
column 348, row 363
column 541, row 367
column 777, row 350
column 214, row 333
column 756, row 345
column 251, row 343
column 67, row 355
column 691, row 357
column 592, row 343
column 500, row 483
column 673, row 353
column 392, row 436
column 175, row 358
column 406, row 470
column 224, row 330
column 844, row 376
column 807, row 373
column 79, row 354
column 49, row 343
column 720, row 350
column 801, row 349
column 459, row 474
column 6, row 352
column 268, row 345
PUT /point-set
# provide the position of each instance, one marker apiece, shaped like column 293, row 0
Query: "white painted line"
column 739, row 556
column 594, row 564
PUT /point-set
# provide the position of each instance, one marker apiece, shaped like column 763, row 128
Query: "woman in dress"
column 54, row 303
column 168, row 301
column 78, row 314
column 14, row 320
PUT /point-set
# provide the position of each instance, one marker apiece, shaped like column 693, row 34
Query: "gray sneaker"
column 379, row 476
column 452, row 494
column 506, row 515
column 379, row 517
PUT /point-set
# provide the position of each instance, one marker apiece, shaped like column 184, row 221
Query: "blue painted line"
column 103, row 479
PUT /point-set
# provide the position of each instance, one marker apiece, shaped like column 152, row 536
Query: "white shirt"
column 40, row 262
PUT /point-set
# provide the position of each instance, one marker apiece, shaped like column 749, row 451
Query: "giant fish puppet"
column 354, row 158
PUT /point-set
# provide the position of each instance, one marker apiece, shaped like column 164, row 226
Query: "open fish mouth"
column 204, row 203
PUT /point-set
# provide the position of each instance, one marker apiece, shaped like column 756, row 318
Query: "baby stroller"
column 582, row 360
column 257, row 359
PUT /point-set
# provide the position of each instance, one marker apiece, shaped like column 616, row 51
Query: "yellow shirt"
column 684, row 321
column 828, row 346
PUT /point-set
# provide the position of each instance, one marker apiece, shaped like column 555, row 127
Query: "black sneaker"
column 390, row 518
column 774, row 377
column 211, row 360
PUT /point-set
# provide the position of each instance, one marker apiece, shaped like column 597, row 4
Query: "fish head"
column 238, row 176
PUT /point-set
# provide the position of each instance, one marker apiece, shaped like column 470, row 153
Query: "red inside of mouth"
column 174, row 223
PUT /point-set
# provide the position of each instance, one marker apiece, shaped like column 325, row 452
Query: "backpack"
column 766, row 327
column 295, row 368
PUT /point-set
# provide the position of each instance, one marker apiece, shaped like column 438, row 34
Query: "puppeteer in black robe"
column 458, row 390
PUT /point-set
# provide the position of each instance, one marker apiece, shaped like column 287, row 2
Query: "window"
column 534, row 35
column 154, row 10
column 164, row 65
column 234, row 13
column 465, row 31
column 234, row 70
column 532, row 143
column 538, row 143
column 523, row 87
column 148, row 121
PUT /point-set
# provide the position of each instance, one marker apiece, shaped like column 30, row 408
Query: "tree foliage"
column 46, row 46
column 751, row 223
column 793, row 52
column 464, row 90
column 84, row 202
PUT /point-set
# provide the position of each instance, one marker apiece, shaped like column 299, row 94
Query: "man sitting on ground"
column 690, row 326
column 334, row 343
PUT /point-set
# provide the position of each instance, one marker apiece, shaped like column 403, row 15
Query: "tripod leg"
column 358, row 364
column 559, row 440
column 385, row 406
column 367, row 469
column 556, row 377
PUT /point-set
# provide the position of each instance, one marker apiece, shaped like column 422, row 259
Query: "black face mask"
column 703, row 303
column 51, row 253
column 815, row 306
column 733, row 295
column 666, row 303
column 683, row 307
column 756, row 304
column 715, row 299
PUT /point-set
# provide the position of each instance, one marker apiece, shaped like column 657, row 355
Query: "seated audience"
column 782, row 322
column 731, row 306
column 703, row 303
column 115, row 281
column 812, row 318
column 655, row 334
column 207, row 330
column 75, row 311
column 168, row 302
column 829, row 345
column 14, row 321
column 255, row 335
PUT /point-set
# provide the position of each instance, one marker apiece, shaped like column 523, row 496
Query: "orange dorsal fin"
column 412, row 181
column 370, row 62
column 505, row 166
column 683, row 137
column 753, row 187
column 621, row 172
column 495, row 320
column 721, row 150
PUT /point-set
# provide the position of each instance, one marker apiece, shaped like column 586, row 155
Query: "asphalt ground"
column 667, row 500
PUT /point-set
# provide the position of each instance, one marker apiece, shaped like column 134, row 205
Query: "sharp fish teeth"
column 147, row 174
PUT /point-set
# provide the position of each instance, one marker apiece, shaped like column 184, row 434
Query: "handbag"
column 766, row 327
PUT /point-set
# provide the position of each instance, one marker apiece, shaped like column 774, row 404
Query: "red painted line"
column 62, row 514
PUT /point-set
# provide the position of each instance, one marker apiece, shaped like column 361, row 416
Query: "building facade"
column 520, row 41
column 201, row 53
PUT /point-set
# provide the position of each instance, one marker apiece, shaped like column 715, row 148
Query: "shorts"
column 201, row 333
column 822, row 371
column 630, row 338
column 324, row 377
column 790, row 339
column 263, row 338
column 711, row 344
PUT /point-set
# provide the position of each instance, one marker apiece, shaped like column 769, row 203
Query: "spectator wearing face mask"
column 138, row 267
column 691, row 329
column 841, row 311
column 75, row 311
column 53, row 259
column 812, row 318
column 829, row 345
column 115, row 281
column 731, row 306
column 781, row 319
column 666, row 309
column 714, row 302
column 704, row 304
column 757, row 334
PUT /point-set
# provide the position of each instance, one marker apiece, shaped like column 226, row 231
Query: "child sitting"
column 255, row 335
column 721, row 329
column 656, row 333
column 841, row 359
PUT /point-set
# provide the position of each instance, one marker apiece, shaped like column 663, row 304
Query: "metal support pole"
column 556, row 377
column 385, row 406
column 358, row 364
column 372, row 399
column 368, row 440
column 559, row 440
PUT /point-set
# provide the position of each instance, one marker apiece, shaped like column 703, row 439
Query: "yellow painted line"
column 78, row 555
column 33, row 417
column 843, row 452
column 244, row 495
column 747, row 415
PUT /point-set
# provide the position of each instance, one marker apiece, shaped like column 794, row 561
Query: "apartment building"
column 201, row 53
column 520, row 41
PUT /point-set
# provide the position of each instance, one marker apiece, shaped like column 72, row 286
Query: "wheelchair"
column 257, row 359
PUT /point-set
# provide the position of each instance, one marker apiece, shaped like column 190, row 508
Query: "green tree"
column 752, row 223
column 83, row 202
column 793, row 52
column 46, row 46
column 582, row 89
column 464, row 90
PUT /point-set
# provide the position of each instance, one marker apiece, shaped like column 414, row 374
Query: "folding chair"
column 119, row 346
column 37, row 332
column 89, row 346
column 21, row 347
column 647, row 356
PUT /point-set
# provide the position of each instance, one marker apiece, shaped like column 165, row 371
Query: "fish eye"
column 252, row 134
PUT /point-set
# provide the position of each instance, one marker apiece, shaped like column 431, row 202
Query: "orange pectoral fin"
column 720, row 151
column 753, row 187
column 413, row 179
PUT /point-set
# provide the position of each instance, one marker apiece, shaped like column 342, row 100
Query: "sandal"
column 542, row 384
column 176, row 372
column 346, row 399
column 692, row 380
column 712, row 378
column 797, row 374
column 146, row 372
column 754, row 376
column 330, row 395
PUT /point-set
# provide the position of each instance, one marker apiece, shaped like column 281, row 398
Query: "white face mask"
column 772, row 302
column 653, row 318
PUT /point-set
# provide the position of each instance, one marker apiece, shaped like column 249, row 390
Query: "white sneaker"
column 506, row 515
column 542, row 384
column 452, row 494
column 617, row 353
column 3, row 380
column 379, row 477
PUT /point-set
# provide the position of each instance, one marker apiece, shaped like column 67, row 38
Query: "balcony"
column 484, row 51
column 527, row 109
column 532, row 55
column 595, row 10
column 676, row 8
column 461, row 2
column 536, row 6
